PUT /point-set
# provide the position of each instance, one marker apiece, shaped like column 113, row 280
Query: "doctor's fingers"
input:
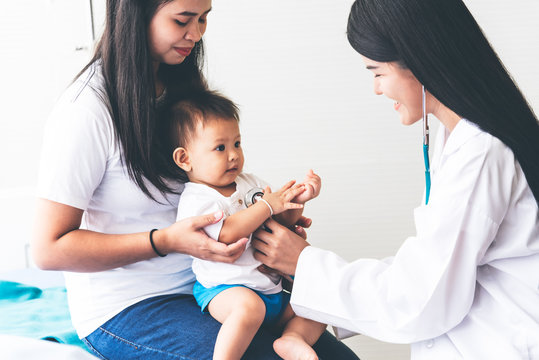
column 261, row 241
column 279, row 240
column 261, row 252
column 258, row 242
column 279, row 255
column 269, row 227
column 300, row 231
column 304, row 222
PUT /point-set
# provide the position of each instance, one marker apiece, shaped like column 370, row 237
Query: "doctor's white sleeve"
column 399, row 302
column 428, row 287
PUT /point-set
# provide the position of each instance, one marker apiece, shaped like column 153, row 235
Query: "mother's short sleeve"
column 78, row 143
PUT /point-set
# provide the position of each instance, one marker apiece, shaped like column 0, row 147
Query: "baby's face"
column 215, row 153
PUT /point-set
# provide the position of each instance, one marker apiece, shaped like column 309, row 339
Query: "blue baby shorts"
column 275, row 303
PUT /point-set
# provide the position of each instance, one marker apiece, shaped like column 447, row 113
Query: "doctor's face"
column 400, row 85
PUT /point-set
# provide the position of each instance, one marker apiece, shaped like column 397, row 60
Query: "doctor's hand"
column 302, row 224
column 188, row 237
column 280, row 248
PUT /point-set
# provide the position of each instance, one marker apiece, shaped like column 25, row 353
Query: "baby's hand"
column 312, row 184
column 282, row 199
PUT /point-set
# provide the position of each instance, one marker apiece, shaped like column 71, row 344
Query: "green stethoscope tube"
column 427, row 172
column 426, row 147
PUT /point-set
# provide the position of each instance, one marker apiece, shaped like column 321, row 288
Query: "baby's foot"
column 291, row 347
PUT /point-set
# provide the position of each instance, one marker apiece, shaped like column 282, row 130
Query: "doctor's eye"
column 237, row 144
column 220, row 148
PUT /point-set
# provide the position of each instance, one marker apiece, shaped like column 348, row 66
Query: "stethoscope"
column 253, row 196
column 426, row 146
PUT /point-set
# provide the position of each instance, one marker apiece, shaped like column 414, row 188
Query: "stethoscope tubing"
column 427, row 172
column 426, row 146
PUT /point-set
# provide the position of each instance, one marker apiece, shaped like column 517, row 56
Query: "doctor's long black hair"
column 124, row 54
column 444, row 47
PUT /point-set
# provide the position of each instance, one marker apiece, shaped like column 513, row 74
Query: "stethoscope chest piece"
column 253, row 195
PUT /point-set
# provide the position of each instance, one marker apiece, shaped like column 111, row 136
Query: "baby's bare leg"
column 298, row 337
column 241, row 311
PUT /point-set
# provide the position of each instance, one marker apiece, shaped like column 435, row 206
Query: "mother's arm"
column 59, row 244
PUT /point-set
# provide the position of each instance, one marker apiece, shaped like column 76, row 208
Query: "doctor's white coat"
column 466, row 286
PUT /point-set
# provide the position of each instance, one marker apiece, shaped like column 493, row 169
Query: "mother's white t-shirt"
column 81, row 167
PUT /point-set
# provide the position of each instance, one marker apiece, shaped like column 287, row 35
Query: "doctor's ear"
column 181, row 158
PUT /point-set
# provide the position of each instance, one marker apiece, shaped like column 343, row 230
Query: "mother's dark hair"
column 444, row 47
column 124, row 53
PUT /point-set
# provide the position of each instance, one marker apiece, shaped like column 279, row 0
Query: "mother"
column 104, row 185
column 466, row 285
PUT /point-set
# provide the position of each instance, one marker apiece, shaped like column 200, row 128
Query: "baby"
column 205, row 140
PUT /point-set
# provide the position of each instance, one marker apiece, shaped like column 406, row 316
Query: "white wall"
column 306, row 101
column 44, row 43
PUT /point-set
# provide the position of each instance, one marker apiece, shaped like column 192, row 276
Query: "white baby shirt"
column 199, row 199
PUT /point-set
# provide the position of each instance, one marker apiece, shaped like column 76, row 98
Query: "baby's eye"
column 220, row 148
column 237, row 144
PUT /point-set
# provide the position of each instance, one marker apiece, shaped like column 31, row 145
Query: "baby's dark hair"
column 179, row 120
column 197, row 107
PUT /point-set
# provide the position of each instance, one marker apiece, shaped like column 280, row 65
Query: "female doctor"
column 466, row 286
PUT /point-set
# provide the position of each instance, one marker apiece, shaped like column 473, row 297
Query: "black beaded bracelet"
column 153, row 245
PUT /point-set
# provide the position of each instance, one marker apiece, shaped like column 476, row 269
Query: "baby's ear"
column 181, row 158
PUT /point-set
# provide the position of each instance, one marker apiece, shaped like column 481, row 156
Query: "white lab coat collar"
column 463, row 131
column 448, row 143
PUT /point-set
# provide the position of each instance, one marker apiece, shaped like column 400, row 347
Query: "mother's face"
column 175, row 29
column 398, row 84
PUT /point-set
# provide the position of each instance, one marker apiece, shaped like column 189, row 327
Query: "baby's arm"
column 312, row 184
column 246, row 221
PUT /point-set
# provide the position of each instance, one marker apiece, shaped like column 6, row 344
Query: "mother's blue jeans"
column 173, row 327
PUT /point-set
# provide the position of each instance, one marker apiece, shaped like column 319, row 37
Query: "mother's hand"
column 187, row 236
column 280, row 248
